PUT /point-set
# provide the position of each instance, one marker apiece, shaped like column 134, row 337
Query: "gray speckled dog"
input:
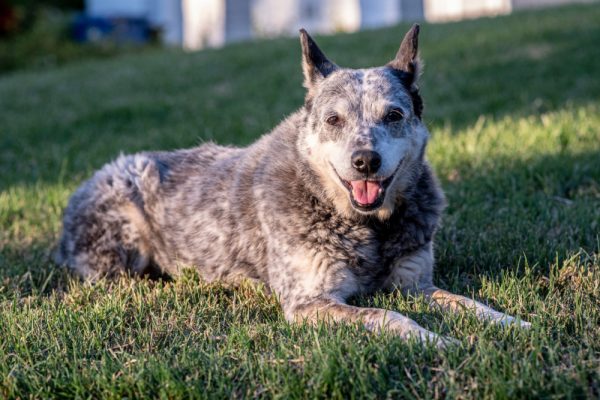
column 336, row 201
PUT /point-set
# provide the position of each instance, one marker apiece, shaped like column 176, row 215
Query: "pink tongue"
column 365, row 192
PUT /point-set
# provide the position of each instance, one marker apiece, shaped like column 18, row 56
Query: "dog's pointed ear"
column 315, row 65
column 407, row 59
column 407, row 67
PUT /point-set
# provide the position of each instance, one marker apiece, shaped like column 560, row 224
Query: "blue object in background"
column 117, row 30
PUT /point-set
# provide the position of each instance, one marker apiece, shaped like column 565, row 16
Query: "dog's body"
column 338, row 200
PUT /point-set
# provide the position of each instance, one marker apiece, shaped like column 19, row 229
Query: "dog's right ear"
column 315, row 65
column 407, row 62
column 407, row 66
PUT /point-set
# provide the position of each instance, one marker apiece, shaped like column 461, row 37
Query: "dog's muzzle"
column 367, row 194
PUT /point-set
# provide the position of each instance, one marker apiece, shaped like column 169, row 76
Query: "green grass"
column 513, row 104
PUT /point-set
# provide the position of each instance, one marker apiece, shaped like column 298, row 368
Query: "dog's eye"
column 333, row 120
column 394, row 115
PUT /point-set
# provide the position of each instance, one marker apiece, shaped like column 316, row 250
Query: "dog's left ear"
column 407, row 61
column 407, row 66
column 315, row 65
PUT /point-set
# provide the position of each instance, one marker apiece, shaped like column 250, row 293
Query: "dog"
column 337, row 201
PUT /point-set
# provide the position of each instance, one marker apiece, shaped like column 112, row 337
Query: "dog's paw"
column 441, row 342
column 523, row 324
column 512, row 321
column 446, row 341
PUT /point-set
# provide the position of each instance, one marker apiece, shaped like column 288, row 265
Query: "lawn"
column 513, row 105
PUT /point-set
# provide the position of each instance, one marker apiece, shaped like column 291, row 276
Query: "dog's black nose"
column 366, row 161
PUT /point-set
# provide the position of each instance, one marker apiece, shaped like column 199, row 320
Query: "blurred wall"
column 196, row 24
column 517, row 4
column 452, row 10
column 203, row 23
column 285, row 17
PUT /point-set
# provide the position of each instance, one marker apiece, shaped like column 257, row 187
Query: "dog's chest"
column 353, row 253
column 368, row 253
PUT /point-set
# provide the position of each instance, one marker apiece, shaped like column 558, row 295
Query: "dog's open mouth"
column 367, row 194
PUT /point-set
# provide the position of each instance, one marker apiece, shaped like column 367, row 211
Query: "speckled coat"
column 283, row 211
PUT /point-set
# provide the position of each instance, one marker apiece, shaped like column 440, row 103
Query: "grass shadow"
column 502, row 216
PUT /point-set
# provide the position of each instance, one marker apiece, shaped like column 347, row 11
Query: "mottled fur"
column 278, row 211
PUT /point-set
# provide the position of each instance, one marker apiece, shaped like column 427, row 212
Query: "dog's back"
column 184, row 208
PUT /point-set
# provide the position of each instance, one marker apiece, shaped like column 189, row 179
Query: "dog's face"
column 363, row 133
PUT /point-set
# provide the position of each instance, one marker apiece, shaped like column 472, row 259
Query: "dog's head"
column 363, row 133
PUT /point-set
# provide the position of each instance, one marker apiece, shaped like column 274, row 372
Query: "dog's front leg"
column 374, row 319
column 414, row 274
column 457, row 303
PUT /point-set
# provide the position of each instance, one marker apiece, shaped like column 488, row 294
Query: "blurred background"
column 47, row 32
